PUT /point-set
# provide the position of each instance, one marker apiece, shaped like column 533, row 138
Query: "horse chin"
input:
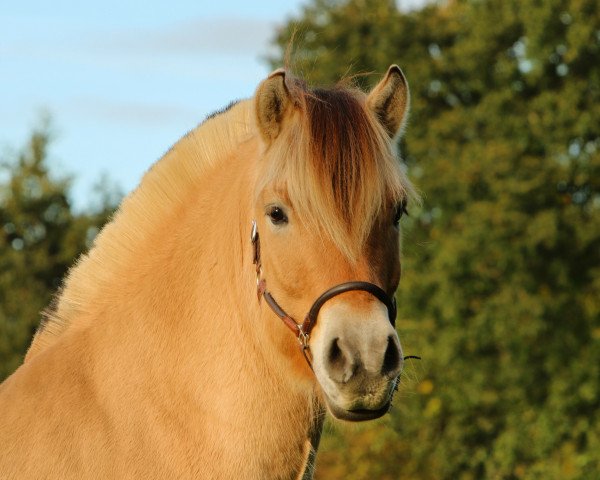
column 359, row 407
column 358, row 415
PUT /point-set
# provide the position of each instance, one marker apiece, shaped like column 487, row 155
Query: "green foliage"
column 40, row 236
column 501, row 287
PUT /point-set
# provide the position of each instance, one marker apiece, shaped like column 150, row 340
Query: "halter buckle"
column 255, row 245
column 303, row 338
column 254, row 232
column 260, row 285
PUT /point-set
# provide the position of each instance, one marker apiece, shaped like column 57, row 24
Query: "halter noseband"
column 302, row 330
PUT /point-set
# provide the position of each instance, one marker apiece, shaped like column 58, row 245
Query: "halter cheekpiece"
column 302, row 330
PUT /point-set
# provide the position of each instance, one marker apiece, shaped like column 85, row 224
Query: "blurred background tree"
column 40, row 237
column 501, row 287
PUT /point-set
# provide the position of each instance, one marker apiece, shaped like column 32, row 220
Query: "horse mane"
column 164, row 187
column 334, row 160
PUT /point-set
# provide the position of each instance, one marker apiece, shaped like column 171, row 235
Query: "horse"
column 241, row 291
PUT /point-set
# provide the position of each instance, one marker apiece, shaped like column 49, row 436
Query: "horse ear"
column 272, row 100
column 389, row 100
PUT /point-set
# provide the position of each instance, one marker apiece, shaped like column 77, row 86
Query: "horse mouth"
column 359, row 414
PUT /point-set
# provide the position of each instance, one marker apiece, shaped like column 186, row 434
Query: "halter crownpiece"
column 302, row 330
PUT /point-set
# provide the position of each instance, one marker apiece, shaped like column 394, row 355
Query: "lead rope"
column 314, row 438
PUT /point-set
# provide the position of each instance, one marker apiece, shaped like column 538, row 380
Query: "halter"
column 302, row 330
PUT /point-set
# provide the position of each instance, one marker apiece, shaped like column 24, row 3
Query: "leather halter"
column 302, row 330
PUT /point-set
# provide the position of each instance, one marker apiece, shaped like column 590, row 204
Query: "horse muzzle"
column 357, row 359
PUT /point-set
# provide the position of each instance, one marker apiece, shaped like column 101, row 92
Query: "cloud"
column 221, row 36
column 131, row 112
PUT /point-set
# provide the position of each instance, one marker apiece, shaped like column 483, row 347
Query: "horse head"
column 329, row 194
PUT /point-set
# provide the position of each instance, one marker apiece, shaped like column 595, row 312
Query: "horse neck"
column 189, row 317
column 186, row 308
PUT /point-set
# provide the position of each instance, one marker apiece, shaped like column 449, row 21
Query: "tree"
column 40, row 236
column 501, row 285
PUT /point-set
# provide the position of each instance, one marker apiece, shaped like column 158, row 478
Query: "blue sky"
column 123, row 80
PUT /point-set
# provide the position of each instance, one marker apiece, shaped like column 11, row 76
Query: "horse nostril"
column 335, row 353
column 391, row 359
column 338, row 366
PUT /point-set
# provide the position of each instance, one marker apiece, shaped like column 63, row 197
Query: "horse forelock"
column 337, row 166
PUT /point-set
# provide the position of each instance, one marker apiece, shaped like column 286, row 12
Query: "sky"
column 123, row 80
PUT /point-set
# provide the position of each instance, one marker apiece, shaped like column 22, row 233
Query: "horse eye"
column 400, row 210
column 277, row 216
